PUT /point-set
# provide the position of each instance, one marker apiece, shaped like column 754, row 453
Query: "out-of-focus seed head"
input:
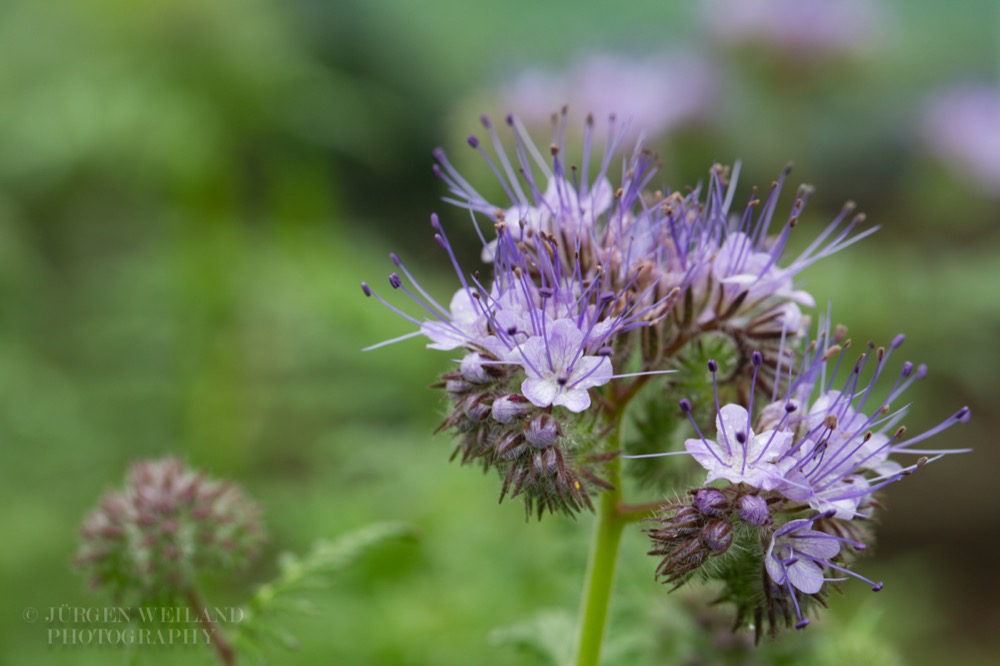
column 149, row 540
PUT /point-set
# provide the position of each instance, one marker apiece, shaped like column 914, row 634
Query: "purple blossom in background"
column 655, row 95
column 961, row 126
column 807, row 29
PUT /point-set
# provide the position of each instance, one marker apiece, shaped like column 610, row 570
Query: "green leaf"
column 549, row 635
column 300, row 575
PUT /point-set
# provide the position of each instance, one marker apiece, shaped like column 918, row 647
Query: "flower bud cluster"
column 594, row 284
column 150, row 539
column 527, row 444
column 688, row 534
column 808, row 473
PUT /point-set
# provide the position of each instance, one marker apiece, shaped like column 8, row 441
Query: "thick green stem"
column 601, row 567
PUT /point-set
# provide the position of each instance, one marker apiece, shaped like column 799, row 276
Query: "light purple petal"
column 806, row 576
column 442, row 336
column 793, row 526
column 796, row 487
column 815, row 544
column 781, row 443
column 575, row 400
column 774, row 568
column 536, row 360
column 734, row 417
column 700, row 452
column 541, row 392
column 591, row 371
column 565, row 341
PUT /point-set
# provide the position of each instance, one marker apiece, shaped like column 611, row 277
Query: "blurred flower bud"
column 717, row 536
column 542, row 432
column 509, row 408
column 753, row 510
column 711, row 502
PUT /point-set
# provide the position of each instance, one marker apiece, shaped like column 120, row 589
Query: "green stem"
column 601, row 567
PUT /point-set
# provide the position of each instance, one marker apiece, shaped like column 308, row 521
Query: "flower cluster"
column 659, row 94
column 808, row 473
column 169, row 522
column 599, row 280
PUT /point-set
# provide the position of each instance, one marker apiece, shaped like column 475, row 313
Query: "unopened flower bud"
column 509, row 408
column 473, row 370
column 476, row 406
column 542, row 432
column 457, row 386
column 717, row 536
column 753, row 510
column 711, row 502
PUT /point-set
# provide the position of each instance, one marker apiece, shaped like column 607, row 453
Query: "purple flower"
column 795, row 554
column 558, row 371
column 655, row 95
column 588, row 269
column 961, row 125
column 798, row 556
column 841, row 456
column 741, row 456
column 807, row 29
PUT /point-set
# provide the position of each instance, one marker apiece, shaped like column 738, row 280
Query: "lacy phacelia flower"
column 592, row 274
column 742, row 456
column 821, row 450
column 149, row 540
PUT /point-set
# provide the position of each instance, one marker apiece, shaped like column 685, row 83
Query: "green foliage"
column 302, row 578
column 547, row 637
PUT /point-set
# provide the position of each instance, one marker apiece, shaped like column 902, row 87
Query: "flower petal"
column 734, row 418
column 699, row 450
column 806, row 576
column 541, row 392
column 815, row 544
column 575, row 400
column 591, row 371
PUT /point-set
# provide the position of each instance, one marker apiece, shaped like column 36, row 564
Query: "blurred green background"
column 191, row 190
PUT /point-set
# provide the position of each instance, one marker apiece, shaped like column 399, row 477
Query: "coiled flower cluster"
column 598, row 282
column 801, row 485
column 169, row 523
